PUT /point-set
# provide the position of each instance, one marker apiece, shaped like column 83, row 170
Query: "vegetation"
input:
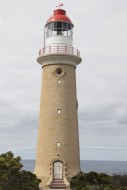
column 12, row 177
column 98, row 181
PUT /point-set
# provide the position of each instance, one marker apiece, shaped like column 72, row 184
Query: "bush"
column 12, row 177
column 94, row 181
column 121, row 178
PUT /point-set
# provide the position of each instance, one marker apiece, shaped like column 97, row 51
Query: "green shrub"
column 94, row 181
column 121, row 178
column 123, row 188
column 12, row 177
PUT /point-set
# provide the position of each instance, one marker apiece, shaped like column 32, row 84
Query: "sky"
column 100, row 34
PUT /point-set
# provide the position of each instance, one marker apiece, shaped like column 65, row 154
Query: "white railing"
column 59, row 49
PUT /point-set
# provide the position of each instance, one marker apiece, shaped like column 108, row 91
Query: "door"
column 58, row 170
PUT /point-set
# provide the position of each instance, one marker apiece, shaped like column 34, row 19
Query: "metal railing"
column 59, row 49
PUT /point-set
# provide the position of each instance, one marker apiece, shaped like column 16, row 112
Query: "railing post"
column 58, row 49
column 65, row 49
column 49, row 49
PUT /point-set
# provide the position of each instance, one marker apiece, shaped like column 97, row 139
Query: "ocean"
column 108, row 167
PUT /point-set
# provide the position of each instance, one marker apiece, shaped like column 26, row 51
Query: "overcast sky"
column 100, row 34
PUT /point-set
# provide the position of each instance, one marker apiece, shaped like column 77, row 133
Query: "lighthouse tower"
column 58, row 159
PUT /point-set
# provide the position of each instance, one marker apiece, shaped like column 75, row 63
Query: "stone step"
column 57, row 181
column 58, row 184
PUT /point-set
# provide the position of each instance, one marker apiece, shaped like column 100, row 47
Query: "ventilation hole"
column 59, row 71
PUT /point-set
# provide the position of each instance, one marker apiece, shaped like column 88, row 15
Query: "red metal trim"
column 59, row 15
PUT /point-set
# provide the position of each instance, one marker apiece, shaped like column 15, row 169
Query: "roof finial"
column 60, row 4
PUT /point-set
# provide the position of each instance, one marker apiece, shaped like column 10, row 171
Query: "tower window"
column 59, row 111
column 59, row 81
column 58, row 144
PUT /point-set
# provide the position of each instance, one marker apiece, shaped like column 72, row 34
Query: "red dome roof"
column 59, row 15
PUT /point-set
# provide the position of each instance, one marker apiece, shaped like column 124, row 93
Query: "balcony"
column 59, row 49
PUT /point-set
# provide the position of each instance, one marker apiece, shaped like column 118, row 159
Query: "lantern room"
column 59, row 29
column 58, row 35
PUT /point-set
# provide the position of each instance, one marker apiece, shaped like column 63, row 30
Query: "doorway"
column 58, row 170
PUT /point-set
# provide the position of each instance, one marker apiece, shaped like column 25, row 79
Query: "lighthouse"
column 58, row 157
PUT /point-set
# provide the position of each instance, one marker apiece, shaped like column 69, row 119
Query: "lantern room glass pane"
column 65, row 26
column 59, row 28
column 59, row 25
column 64, row 33
column 69, row 26
column 54, row 25
column 51, row 26
column 54, row 33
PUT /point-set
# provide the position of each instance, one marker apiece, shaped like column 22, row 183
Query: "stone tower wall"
column 58, row 95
